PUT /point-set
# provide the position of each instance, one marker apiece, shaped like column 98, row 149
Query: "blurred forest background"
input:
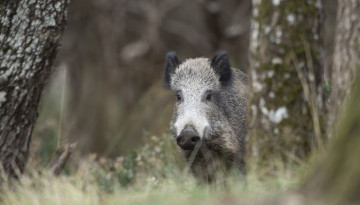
column 106, row 91
column 111, row 63
column 105, row 94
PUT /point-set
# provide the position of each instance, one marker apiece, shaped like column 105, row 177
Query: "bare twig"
column 61, row 157
column 309, row 95
column 192, row 156
column 313, row 94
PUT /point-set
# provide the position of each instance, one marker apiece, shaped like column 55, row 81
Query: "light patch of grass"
column 49, row 190
column 83, row 188
column 153, row 174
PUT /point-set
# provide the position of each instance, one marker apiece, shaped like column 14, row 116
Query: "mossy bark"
column 30, row 32
column 336, row 180
column 345, row 56
column 286, row 73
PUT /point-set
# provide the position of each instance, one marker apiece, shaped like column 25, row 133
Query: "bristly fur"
column 220, row 122
column 171, row 63
column 195, row 74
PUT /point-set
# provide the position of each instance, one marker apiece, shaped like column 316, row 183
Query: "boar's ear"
column 220, row 63
column 171, row 63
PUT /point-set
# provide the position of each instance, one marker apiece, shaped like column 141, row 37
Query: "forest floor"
column 152, row 174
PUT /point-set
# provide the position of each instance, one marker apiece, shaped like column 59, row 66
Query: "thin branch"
column 192, row 156
column 61, row 157
column 309, row 97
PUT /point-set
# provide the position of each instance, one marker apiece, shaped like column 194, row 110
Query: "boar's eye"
column 208, row 95
column 178, row 96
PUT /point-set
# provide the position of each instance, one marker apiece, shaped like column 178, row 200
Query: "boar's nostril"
column 195, row 139
column 187, row 142
column 187, row 139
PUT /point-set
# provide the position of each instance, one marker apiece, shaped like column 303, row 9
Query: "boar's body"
column 209, row 113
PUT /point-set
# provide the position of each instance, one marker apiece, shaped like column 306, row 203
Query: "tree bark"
column 345, row 57
column 286, row 74
column 336, row 179
column 30, row 32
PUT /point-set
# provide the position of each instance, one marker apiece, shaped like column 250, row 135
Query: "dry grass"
column 151, row 175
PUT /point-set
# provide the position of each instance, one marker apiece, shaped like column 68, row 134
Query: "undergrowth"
column 152, row 174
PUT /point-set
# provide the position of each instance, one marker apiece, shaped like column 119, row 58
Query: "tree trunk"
column 286, row 75
column 336, row 179
column 30, row 32
column 343, row 69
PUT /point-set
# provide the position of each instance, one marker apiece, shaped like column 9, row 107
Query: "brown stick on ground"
column 62, row 155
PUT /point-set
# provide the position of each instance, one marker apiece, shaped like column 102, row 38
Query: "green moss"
column 281, row 38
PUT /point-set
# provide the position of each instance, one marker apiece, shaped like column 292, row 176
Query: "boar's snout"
column 188, row 138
